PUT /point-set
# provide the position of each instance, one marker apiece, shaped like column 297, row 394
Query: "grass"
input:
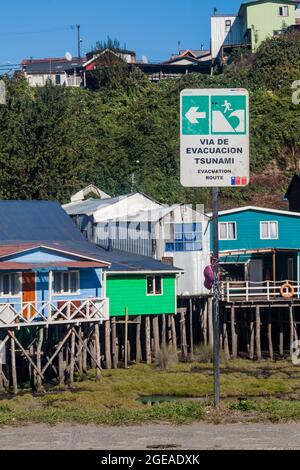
column 252, row 392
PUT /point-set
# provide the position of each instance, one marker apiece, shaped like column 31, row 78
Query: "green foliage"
column 54, row 140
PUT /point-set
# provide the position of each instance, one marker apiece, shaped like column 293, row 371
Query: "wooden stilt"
column 72, row 357
column 183, row 341
column 39, row 351
column 270, row 341
column 252, row 335
column 169, row 330
column 84, row 351
column 61, row 367
column 126, row 339
column 79, row 354
column 258, row 334
column 97, row 350
column 148, row 340
column 13, row 364
column 191, row 331
column 281, row 335
column 138, row 345
column 225, row 336
column 163, row 331
column 234, row 337
column 114, row 343
column 291, row 312
column 174, row 335
column 107, row 345
column 210, row 323
column 156, row 335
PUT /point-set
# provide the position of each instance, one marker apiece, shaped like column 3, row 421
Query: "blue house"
column 259, row 251
column 49, row 273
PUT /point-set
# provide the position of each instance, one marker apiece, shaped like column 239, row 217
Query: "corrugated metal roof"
column 35, row 221
column 89, row 206
column 11, row 265
column 45, row 223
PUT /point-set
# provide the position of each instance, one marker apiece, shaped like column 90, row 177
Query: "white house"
column 226, row 30
column 177, row 234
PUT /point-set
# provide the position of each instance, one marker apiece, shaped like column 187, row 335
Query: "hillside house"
column 254, row 22
column 59, row 71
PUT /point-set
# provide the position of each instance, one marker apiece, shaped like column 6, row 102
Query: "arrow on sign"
column 193, row 115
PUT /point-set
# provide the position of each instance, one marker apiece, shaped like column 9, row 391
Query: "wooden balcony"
column 254, row 291
column 22, row 314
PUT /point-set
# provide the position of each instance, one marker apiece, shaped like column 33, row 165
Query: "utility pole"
column 78, row 41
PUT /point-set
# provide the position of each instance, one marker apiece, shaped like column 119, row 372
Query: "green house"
column 140, row 284
column 262, row 19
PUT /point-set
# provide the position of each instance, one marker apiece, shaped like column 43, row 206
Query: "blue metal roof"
column 46, row 223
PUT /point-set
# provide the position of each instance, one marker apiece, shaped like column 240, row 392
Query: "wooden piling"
column 163, row 331
column 191, row 330
column 13, row 364
column 258, row 333
column 174, row 335
column 155, row 335
column 39, row 352
column 107, row 345
column 281, row 335
column 234, row 337
column 252, row 335
column 61, row 367
column 183, row 340
column 72, row 357
column 270, row 341
column 114, row 343
column 97, row 350
column 138, row 345
column 291, row 312
column 148, row 340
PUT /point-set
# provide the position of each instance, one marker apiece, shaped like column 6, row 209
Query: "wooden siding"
column 248, row 230
column 130, row 291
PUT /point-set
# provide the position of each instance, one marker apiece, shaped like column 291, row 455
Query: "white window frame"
column 227, row 231
column 269, row 222
column 62, row 292
column 282, row 8
column 10, row 295
column 154, row 286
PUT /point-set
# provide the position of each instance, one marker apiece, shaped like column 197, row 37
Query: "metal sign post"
column 214, row 152
column 216, row 295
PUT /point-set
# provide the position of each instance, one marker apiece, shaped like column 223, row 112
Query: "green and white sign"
column 214, row 137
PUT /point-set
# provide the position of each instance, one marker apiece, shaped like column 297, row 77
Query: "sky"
column 43, row 28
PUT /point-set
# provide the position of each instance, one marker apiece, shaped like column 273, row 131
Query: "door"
column 28, row 294
column 256, row 275
column 290, row 269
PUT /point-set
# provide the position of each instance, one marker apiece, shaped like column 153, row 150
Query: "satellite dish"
column 68, row 56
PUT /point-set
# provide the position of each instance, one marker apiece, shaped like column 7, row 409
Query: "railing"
column 247, row 291
column 20, row 314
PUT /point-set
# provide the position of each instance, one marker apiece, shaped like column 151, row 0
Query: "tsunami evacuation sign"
column 214, row 137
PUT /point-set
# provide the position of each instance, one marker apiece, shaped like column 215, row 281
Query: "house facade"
column 255, row 22
column 260, row 247
column 49, row 274
column 177, row 235
column 59, row 71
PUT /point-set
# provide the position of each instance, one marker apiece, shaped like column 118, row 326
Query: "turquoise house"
column 260, row 246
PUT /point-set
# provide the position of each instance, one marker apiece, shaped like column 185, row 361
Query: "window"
column 185, row 237
column 227, row 26
column 154, row 285
column 269, row 230
column 10, row 284
column 66, row 282
column 227, row 230
column 57, row 79
column 284, row 11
